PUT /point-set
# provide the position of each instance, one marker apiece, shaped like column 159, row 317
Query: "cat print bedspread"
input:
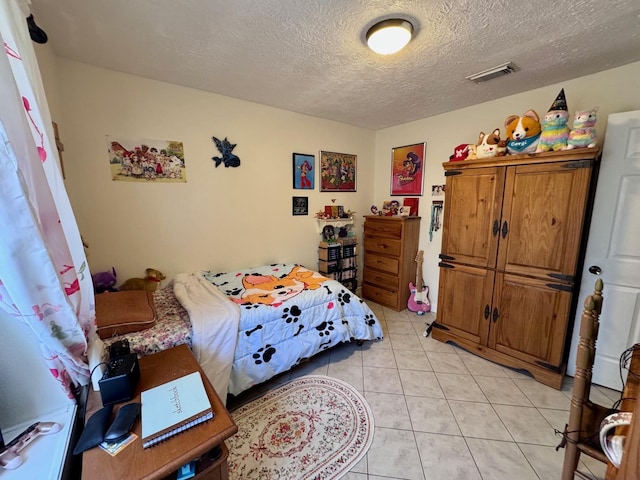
column 289, row 313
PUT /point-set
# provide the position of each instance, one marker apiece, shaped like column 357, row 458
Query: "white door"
column 613, row 250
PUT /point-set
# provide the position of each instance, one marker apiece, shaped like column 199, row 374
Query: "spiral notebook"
column 174, row 407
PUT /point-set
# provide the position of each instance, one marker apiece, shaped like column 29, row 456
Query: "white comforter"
column 214, row 321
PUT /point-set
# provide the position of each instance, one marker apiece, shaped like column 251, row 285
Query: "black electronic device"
column 119, row 382
column 119, row 349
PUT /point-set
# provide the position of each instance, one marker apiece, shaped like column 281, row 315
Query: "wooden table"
column 630, row 465
column 164, row 459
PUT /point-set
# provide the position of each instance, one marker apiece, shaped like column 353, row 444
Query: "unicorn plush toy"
column 555, row 131
column 583, row 133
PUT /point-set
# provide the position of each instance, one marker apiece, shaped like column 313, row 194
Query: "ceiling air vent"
column 498, row 71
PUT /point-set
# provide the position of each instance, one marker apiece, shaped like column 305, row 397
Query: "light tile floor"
column 444, row 414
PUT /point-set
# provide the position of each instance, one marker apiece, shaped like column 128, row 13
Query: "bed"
column 247, row 325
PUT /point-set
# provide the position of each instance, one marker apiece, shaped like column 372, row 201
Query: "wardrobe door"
column 542, row 219
column 473, row 199
column 531, row 319
column 464, row 301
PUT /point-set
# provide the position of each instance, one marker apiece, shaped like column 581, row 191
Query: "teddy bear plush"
column 555, row 131
column 583, row 133
column 523, row 133
column 149, row 283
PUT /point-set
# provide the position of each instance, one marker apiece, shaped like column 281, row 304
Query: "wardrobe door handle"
column 495, row 315
column 505, row 229
column 487, row 312
column 496, row 227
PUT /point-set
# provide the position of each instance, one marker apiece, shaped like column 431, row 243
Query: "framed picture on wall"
column 300, row 206
column 303, row 171
column 337, row 172
column 407, row 169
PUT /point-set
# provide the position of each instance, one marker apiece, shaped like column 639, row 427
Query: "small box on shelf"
column 325, row 266
column 331, row 253
column 348, row 251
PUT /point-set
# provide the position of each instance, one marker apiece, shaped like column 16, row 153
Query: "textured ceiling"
column 309, row 56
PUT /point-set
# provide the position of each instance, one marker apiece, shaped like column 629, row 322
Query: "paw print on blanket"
column 369, row 320
column 344, row 297
column 291, row 314
column 233, row 292
column 264, row 354
column 325, row 328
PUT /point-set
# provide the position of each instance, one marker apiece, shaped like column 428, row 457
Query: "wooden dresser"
column 513, row 236
column 390, row 248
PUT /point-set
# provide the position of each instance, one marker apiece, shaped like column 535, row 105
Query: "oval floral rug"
column 314, row 427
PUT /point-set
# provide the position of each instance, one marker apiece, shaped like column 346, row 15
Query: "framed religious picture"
column 300, row 206
column 407, row 169
column 337, row 172
column 303, row 171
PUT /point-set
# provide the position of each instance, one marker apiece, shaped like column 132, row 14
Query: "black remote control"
column 123, row 423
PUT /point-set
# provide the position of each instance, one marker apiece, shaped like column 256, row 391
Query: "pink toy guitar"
column 419, row 298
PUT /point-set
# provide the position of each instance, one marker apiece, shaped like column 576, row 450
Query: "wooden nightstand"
column 163, row 460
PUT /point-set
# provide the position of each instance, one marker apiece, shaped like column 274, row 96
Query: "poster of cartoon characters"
column 146, row 160
column 407, row 169
column 337, row 172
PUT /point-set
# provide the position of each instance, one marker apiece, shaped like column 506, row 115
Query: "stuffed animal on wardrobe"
column 490, row 145
column 583, row 133
column 523, row 133
column 555, row 131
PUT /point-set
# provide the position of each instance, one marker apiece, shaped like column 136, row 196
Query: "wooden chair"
column 581, row 433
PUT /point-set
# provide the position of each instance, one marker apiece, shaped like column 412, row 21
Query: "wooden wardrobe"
column 512, row 240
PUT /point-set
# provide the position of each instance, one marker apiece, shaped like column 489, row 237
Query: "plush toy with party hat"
column 583, row 133
column 555, row 131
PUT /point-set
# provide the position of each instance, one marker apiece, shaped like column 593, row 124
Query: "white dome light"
column 389, row 36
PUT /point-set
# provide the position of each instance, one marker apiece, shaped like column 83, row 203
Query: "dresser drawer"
column 380, row 295
column 383, row 228
column 379, row 262
column 384, row 280
column 388, row 246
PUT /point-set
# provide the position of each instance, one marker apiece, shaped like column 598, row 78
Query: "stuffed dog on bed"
column 149, row 283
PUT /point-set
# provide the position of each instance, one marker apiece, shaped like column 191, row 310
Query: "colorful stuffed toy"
column 555, row 131
column 523, row 133
column 490, row 145
column 583, row 133
column 460, row 153
column 104, row 281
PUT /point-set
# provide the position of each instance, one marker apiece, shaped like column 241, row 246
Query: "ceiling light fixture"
column 389, row 36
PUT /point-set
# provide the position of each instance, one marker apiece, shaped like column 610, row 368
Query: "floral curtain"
column 44, row 279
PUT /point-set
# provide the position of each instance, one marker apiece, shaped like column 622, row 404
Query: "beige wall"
column 221, row 218
column 612, row 91
column 225, row 218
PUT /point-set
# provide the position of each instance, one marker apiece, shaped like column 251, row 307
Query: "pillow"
column 118, row 313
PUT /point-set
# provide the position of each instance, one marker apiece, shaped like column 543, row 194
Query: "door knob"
column 595, row 269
